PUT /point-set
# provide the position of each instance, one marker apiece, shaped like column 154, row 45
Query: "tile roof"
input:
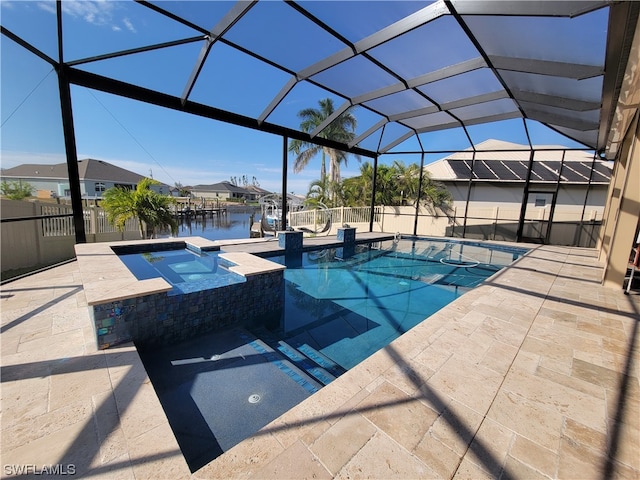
column 220, row 187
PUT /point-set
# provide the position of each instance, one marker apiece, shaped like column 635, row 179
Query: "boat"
column 271, row 210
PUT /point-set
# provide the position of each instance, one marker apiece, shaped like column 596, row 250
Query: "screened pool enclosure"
column 425, row 79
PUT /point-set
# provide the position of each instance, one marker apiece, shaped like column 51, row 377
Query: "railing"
column 95, row 221
column 353, row 216
column 57, row 226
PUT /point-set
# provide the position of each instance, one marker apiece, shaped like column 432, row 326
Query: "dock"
column 186, row 208
column 202, row 212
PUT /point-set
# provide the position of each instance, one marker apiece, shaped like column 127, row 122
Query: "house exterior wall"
column 508, row 197
column 222, row 195
column 623, row 211
column 209, row 195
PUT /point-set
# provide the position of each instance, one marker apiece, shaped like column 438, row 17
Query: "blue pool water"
column 220, row 388
column 186, row 270
column 348, row 308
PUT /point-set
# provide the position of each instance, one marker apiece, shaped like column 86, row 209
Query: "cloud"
column 47, row 6
column 129, row 25
column 95, row 12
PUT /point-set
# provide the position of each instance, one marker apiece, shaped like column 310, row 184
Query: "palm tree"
column 152, row 209
column 358, row 189
column 396, row 184
column 319, row 193
column 408, row 180
column 342, row 129
column 386, row 186
column 435, row 195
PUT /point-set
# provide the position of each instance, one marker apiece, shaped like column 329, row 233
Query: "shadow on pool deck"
column 533, row 374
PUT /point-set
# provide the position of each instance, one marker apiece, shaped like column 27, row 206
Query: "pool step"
column 307, row 359
column 299, row 375
column 307, row 364
column 321, row 359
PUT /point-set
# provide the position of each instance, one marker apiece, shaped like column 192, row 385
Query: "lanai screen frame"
column 69, row 74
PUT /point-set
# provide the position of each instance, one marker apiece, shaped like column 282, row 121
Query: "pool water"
column 347, row 309
column 186, row 270
column 220, row 388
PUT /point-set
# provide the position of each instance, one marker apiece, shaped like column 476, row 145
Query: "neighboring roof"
column 220, row 187
column 91, row 169
column 88, row 169
column 505, row 165
column 409, row 68
column 258, row 190
column 31, row 170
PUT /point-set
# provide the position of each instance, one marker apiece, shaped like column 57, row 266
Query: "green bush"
column 16, row 190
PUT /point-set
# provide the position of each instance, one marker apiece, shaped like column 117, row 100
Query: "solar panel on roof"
column 582, row 168
column 460, row 168
column 573, row 172
column 519, row 168
column 602, row 173
column 501, row 170
column 542, row 173
column 554, row 166
column 482, row 171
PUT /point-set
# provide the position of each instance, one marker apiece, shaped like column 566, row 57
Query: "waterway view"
column 236, row 223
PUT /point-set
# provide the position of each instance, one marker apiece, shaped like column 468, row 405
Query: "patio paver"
column 534, row 374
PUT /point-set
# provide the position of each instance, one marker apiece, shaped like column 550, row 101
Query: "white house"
column 562, row 187
column 227, row 191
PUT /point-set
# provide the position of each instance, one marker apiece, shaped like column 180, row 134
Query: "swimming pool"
column 348, row 308
column 222, row 387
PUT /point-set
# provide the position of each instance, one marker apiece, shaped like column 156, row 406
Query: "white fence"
column 357, row 217
column 30, row 244
column 385, row 219
column 483, row 223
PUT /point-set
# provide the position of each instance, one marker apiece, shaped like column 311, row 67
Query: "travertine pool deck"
column 534, row 374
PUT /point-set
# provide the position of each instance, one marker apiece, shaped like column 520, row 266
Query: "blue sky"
column 171, row 146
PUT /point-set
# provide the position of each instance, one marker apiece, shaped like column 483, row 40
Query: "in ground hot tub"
column 160, row 292
column 186, row 269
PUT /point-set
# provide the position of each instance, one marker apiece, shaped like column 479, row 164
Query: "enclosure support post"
column 415, row 220
column 373, row 192
column 555, row 199
column 466, row 205
column 525, row 198
column 285, row 141
column 69, row 138
column 576, row 240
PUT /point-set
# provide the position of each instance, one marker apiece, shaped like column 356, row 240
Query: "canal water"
column 236, row 223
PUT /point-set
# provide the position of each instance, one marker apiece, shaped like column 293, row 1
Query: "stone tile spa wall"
column 162, row 319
